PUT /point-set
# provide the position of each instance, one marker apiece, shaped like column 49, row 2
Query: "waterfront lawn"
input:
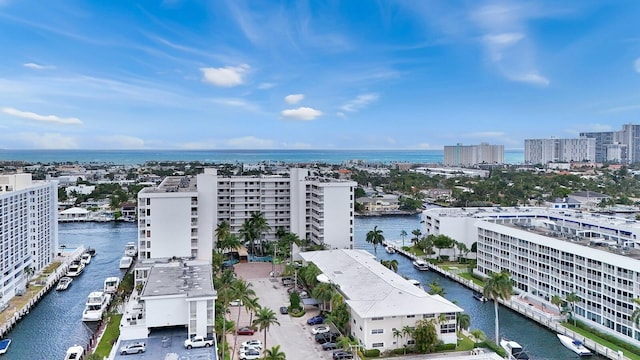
column 413, row 250
column 601, row 341
column 110, row 336
column 475, row 280
column 465, row 343
column 51, row 267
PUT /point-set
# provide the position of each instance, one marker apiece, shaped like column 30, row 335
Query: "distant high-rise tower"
column 543, row 151
column 621, row 146
column 469, row 155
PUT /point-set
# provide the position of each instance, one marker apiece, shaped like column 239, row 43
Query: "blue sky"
column 360, row 74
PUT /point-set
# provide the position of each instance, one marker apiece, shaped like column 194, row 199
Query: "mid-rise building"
column 622, row 146
column 469, row 155
column 179, row 217
column 28, row 230
column 556, row 252
column 543, row 151
column 380, row 301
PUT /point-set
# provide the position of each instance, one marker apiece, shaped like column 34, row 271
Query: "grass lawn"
column 468, row 276
column 110, row 336
column 601, row 341
column 465, row 343
column 415, row 251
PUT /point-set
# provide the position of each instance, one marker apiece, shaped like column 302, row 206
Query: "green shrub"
column 610, row 338
column 297, row 313
column 445, row 347
column 370, row 353
column 493, row 346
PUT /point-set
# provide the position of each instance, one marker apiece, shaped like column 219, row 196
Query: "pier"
column 530, row 308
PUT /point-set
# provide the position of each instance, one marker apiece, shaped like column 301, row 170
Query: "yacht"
column 514, row 350
column 111, row 284
column 4, row 345
column 91, row 251
column 74, row 353
column 130, row 249
column 85, row 258
column 96, row 305
column 63, row 283
column 75, row 268
column 125, row 262
column 390, row 249
column 480, row 297
column 420, row 265
column 574, row 345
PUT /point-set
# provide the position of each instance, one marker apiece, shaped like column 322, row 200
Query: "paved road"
column 293, row 335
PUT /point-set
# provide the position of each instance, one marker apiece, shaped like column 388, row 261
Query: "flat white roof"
column 372, row 290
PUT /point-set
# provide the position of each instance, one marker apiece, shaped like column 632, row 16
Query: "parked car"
column 135, row 348
column 316, row 320
column 341, row 354
column 287, row 280
column 250, row 355
column 250, row 347
column 254, row 342
column 329, row 346
column 245, row 331
column 248, row 352
column 326, row 337
column 284, row 310
column 320, row 329
column 236, row 302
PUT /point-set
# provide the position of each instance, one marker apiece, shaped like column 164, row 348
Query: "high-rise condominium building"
column 621, row 146
column 179, row 217
column 469, row 155
column 543, row 151
column 28, row 230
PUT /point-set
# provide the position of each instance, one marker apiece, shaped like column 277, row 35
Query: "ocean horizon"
column 138, row 157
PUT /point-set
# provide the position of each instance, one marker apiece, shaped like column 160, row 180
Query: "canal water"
column 55, row 323
column 538, row 341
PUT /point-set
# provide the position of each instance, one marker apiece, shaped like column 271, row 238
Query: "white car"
column 320, row 329
column 250, row 347
column 236, row 302
column 250, row 355
column 253, row 342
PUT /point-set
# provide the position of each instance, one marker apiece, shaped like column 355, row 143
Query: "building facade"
column 28, row 230
column 557, row 252
column 622, row 146
column 469, row 155
column 381, row 301
column 543, row 151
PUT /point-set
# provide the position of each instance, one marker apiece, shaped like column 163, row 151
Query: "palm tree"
column 635, row 315
column 274, row 354
column 435, row 288
column 478, row 335
column 223, row 230
column 310, row 274
column 323, row 292
column 375, row 237
column 247, row 234
column 252, row 305
column 416, row 235
column 498, row 286
column 397, row 334
column 403, row 234
column 265, row 317
column 390, row 264
column 407, row 331
column 462, row 248
column 229, row 242
column 241, row 290
column 464, row 321
column 259, row 225
column 225, row 295
column 557, row 301
column 572, row 299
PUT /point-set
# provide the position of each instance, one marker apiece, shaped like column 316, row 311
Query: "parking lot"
column 293, row 335
column 166, row 345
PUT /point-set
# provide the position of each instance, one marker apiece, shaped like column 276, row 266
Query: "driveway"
column 293, row 335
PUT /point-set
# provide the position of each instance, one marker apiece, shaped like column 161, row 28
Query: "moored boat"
column 111, row 284
column 85, row 258
column 130, row 249
column 480, row 297
column 4, row 345
column 74, row 353
column 420, row 265
column 63, row 283
column 574, row 345
column 125, row 262
column 96, row 305
column 514, row 350
column 75, row 268
column 390, row 249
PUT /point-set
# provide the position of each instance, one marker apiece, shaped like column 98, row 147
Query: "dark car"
column 316, row 320
column 284, row 310
column 326, row 337
column 329, row 346
column 340, row 355
column 245, row 331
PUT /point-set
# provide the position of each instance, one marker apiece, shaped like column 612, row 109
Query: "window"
column 377, row 318
column 411, row 342
column 410, row 316
column 377, row 345
column 377, row 331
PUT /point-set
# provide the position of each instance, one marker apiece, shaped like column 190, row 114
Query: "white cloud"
column 225, row 76
column 636, row 65
column 503, row 39
column 38, row 66
column 38, row 117
column 44, row 141
column 250, row 142
column 360, row 102
column 301, row 113
column 530, row 78
column 484, row 134
column 237, row 102
column 341, row 114
column 266, row 85
column 621, row 109
column 121, row 142
column 293, row 98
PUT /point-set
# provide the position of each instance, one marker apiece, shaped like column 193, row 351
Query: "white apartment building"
column 28, row 230
column 379, row 300
column 469, row 155
column 543, row 151
column 556, row 252
column 315, row 208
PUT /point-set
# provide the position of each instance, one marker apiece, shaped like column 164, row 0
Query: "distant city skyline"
column 177, row 74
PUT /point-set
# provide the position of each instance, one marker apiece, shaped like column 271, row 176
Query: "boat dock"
column 530, row 308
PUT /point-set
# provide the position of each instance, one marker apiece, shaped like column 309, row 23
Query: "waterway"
column 55, row 323
column 538, row 341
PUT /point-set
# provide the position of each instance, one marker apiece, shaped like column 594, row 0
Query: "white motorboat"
column 480, row 297
column 420, row 265
column 4, row 345
column 130, row 249
column 390, row 249
column 514, row 350
column 96, row 305
column 74, row 353
column 85, row 258
column 574, row 345
column 125, row 262
column 63, row 283
column 75, row 268
column 111, row 284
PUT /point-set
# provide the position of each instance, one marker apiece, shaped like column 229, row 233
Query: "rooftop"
column 191, row 278
column 173, row 184
column 371, row 289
